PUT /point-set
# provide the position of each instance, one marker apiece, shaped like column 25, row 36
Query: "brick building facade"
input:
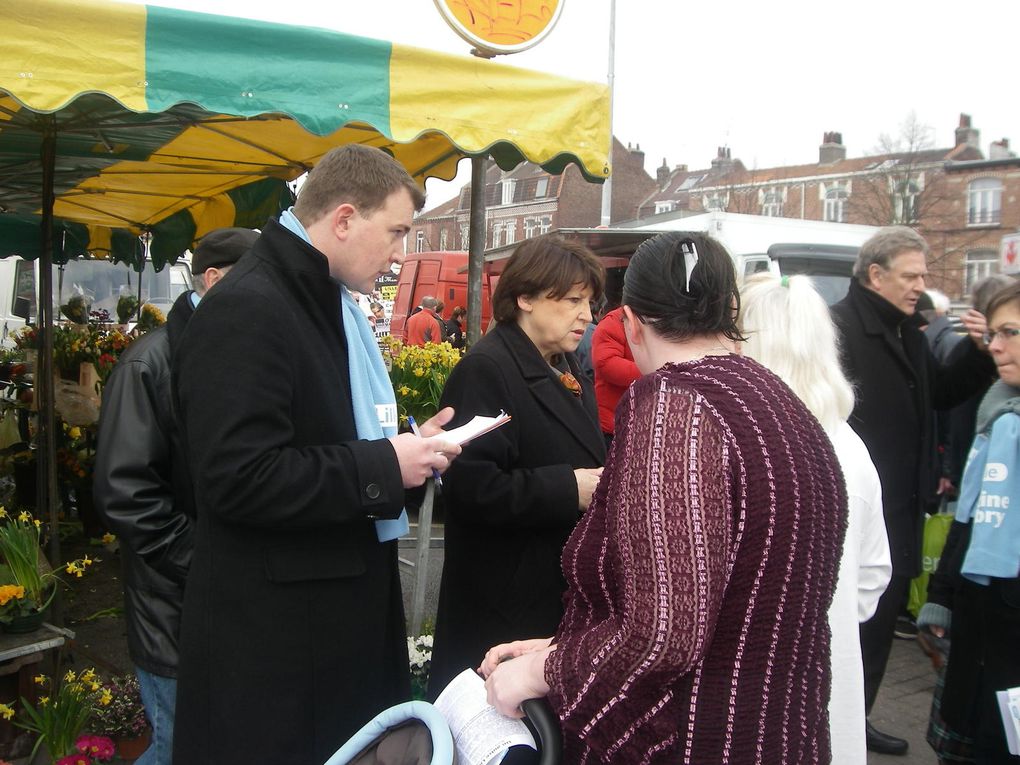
column 528, row 201
column 959, row 200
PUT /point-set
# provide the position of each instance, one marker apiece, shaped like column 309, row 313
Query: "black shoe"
column 884, row 743
column 905, row 628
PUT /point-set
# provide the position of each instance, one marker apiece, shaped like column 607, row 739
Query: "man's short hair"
column 885, row 245
column 354, row 174
column 428, row 302
column 939, row 300
column 222, row 247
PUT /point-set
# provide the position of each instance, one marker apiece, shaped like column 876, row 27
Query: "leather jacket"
column 143, row 491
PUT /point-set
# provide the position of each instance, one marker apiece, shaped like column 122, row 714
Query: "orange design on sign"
column 502, row 23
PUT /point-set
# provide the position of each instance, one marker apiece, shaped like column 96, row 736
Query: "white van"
column 102, row 282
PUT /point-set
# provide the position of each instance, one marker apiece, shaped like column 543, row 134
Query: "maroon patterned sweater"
column 699, row 581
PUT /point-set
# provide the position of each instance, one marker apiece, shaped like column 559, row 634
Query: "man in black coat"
column 143, row 491
column 898, row 385
column 293, row 633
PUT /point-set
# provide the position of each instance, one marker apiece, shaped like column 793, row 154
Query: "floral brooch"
column 570, row 383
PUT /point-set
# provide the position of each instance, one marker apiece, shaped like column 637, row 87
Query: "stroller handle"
column 547, row 725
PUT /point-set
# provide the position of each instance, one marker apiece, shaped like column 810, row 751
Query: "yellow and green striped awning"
column 178, row 123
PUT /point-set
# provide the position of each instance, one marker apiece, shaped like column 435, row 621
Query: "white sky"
column 765, row 79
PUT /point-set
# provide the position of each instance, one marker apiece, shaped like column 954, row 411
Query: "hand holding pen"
column 417, row 432
column 424, row 452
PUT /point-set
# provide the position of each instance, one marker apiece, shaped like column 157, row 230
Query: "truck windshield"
column 830, row 276
column 102, row 283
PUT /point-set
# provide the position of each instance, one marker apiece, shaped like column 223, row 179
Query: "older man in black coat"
column 899, row 384
column 293, row 630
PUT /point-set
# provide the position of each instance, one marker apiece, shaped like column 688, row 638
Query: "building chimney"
column 722, row 159
column 637, row 155
column 662, row 173
column 1000, row 150
column 832, row 149
column 965, row 134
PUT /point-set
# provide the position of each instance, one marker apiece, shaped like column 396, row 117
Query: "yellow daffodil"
column 3, row 512
column 40, row 679
column 108, row 538
column 70, row 677
column 105, row 697
column 88, row 675
column 44, row 700
column 6, row 711
column 24, row 517
column 37, row 522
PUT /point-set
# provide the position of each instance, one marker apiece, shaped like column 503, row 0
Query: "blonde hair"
column 789, row 330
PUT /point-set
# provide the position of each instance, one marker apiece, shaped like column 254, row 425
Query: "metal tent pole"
column 46, row 496
column 476, row 251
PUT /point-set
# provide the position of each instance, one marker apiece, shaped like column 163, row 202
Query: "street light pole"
column 607, row 187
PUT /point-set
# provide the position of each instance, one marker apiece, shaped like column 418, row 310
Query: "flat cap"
column 222, row 247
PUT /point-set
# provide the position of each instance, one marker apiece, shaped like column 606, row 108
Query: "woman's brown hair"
column 547, row 266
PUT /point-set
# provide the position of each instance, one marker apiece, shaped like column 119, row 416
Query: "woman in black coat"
column 514, row 495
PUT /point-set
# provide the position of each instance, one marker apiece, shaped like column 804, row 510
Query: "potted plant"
column 418, row 374
column 60, row 717
column 31, row 584
column 127, row 305
column 419, row 653
column 149, row 318
column 123, row 719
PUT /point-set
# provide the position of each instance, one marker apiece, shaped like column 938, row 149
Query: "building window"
column 979, row 264
column 464, row 237
column 508, row 191
column 497, row 234
column 663, row 207
column 905, row 201
column 442, row 239
column 835, row 205
column 772, row 203
column 419, row 241
column 537, row 226
column 541, row 188
column 984, row 202
column 715, row 201
column 511, row 231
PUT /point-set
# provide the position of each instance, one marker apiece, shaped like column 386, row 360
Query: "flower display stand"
column 20, row 658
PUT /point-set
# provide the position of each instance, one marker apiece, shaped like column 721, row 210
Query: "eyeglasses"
column 1006, row 333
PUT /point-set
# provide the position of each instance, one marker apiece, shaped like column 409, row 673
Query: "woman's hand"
column 505, row 651
column 587, row 479
column 517, row 680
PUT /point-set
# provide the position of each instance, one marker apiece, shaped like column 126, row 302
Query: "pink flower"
column 75, row 759
column 99, row 747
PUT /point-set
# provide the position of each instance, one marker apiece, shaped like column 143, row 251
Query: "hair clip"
column 785, row 281
column 690, row 260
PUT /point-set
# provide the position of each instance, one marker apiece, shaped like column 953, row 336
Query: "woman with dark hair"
column 695, row 626
column 519, row 490
column 974, row 596
column 455, row 326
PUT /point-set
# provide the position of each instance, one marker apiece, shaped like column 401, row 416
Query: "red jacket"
column 423, row 328
column 614, row 365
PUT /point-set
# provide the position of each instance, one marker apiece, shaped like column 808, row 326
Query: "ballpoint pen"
column 414, row 429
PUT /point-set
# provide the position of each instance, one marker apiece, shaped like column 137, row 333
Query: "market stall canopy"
column 178, row 123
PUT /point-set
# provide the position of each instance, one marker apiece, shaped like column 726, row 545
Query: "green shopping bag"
column 936, row 529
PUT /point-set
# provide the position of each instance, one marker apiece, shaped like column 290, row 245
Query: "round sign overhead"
column 501, row 26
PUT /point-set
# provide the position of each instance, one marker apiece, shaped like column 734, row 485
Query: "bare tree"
column 905, row 183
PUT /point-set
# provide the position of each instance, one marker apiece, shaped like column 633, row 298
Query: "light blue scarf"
column 375, row 406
